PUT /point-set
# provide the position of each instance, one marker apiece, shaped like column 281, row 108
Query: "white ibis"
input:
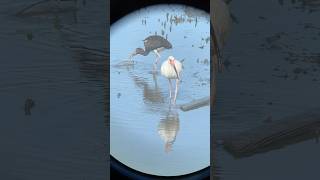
column 153, row 43
column 171, row 69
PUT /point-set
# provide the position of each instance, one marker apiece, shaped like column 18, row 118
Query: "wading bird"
column 171, row 69
column 152, row 43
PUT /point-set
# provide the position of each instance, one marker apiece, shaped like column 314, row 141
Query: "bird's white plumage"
column 171, row 69
column 167, row 69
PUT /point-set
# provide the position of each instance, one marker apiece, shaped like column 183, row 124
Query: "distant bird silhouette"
column 171, row 69
column 153, row 43
column 29, row 103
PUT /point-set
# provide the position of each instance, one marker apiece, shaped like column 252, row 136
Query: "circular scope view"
column 160, row 90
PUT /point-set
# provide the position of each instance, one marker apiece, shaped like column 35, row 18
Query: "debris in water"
column 207, row 39
column 268, row 119
column 262, row 17
column 28, row 105
column 29, row 36
column 56, row 23
column 297, row 70
column 195, row 104
column 206, row 61
column 275, row 37
column 226, row 63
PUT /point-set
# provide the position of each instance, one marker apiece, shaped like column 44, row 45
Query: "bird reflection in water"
column 151, row 93
column 168, row 128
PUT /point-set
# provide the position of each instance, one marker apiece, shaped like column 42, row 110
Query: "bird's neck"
column 144, row 52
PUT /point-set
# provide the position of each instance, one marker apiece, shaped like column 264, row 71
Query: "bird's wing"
column 154, row 42
column 151, row 44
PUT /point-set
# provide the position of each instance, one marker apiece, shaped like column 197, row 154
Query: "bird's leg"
column 155, row 80
column 157, row 59
column 170, row 88
column 176, row 90
column 130, row 58
column 154, row 67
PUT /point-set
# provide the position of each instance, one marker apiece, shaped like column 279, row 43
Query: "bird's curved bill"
column 131, row 55
column 175, row 69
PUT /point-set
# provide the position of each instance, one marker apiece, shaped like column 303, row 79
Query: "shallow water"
column 146, row 133
column 273, row 71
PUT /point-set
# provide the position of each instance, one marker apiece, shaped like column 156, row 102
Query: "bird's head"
column 167, row 44
column 139, row 51
column 171, row 60
column 136, row 51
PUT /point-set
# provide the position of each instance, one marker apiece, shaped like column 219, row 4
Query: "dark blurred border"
column 107, row 88
column 119, row 170
column 119, row 9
